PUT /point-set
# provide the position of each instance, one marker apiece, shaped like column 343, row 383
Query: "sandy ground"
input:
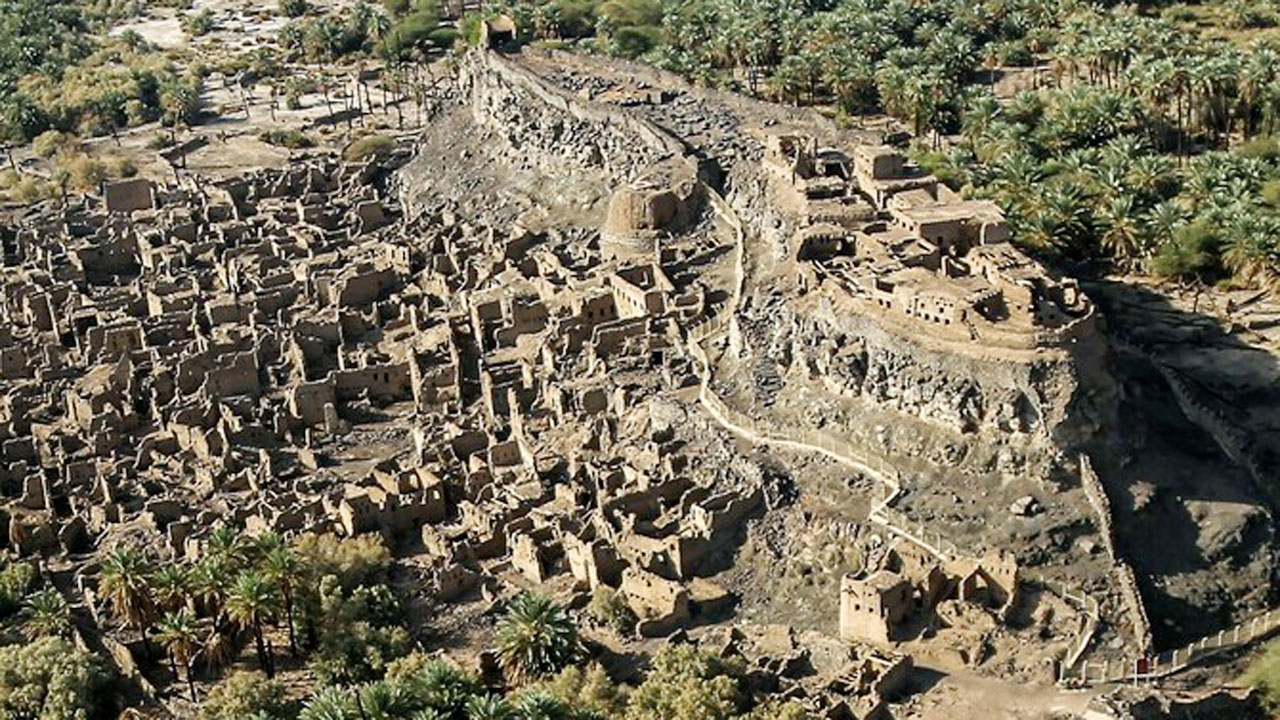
column 963, row 696
column 238, row 22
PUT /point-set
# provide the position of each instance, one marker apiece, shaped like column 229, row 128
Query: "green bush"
column 1247, row 14
column 609, row 607
column 396, row 8
column 361, row 560
column 197, row 24
column 632, row 41
column 1178, row 13
column 411, row 31
column 1193, row 252
column 16, row 577
column 1015, row 54
column 588, row 689
column 1271, row 193
column 50, row 679
column 445, row 37
column 469, row 28
column 50, row 143
column 293, row 8
column 370, row 147
column 30, row 190
column 686, row 684
column 246, row 695
column 293, row 139
column 574, row 18
column 85, row 173
column 1264, row 677
column 1261, row 148
column 125, row 168
column 359, row 632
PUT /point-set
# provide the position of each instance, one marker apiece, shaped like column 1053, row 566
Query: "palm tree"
column 282, row 566
column 331, row 703
column 1152, row 174
column 1256, row 75
column 1122, row 233
column 536, row 637
column 47, row 615
column 982, row 112
column 441, row 685
column 383, row 700
column 220, row 645
column 178, row 633
column 789, row 80
column 1162, row 221
column 230, row 544
column 1250, row 247
column 126, row 583
column 172, row 587
column 541, row 705
column 209, row 583
column 253, row 601
column 489, row 707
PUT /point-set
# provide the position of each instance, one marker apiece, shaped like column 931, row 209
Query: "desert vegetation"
column 1137, row 137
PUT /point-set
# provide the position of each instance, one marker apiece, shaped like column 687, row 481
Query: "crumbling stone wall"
column 1126, row 581
column 980, row 414
column 968, row 406
column 1235, row 443
column 555, row 131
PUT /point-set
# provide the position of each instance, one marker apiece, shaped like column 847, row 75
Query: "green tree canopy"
column 49, row 679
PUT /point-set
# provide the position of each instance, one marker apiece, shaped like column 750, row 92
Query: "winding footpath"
column 882, row 513
column 1074, row 670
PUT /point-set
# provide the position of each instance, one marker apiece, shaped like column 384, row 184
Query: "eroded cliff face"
column 901, row 395
column 872, row 367
column 905, row 395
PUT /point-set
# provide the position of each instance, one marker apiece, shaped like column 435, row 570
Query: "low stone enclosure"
column 291, row 351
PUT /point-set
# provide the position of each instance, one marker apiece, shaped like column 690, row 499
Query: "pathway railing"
column 811, row 440
column 1074, row 669
column 1161, row 665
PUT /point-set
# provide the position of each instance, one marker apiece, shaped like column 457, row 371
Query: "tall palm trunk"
column 288, row 614
column 360, row 704
column 264, row 653
column 191, row 682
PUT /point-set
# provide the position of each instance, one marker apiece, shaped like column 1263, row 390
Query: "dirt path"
column 962, row 695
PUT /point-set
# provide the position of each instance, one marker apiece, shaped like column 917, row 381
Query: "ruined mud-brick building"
column 914, row 304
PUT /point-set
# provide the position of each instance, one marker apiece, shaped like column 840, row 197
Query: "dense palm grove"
column 323, row 605
column 55, row 75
